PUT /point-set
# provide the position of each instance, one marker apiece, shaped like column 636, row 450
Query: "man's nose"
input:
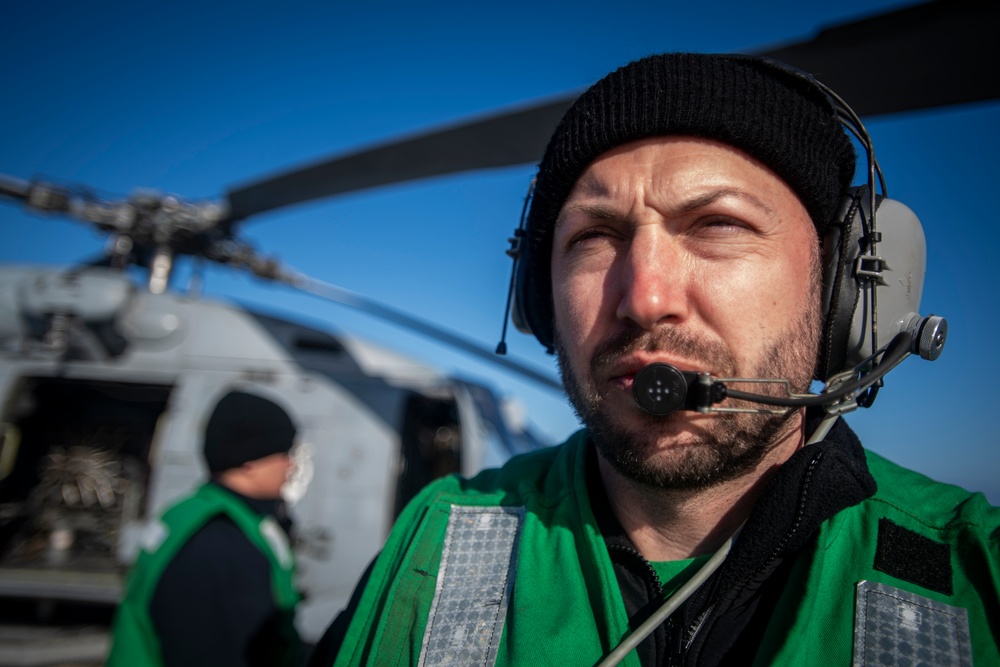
column 653, row 281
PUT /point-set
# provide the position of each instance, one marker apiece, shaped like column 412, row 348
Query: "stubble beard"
column 725, row 445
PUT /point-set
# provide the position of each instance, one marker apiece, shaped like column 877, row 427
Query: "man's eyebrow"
column 599, row 211
column 595, row 211
column 711, row 197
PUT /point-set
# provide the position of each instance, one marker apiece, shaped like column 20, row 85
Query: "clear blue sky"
column 193, row 98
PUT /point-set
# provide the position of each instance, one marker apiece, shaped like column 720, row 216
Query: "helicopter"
column 110, row 351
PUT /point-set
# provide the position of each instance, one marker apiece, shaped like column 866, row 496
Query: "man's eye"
column 722, row 225
column 589, row 235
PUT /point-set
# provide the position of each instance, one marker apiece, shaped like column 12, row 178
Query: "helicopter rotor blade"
column 14, row 188
column 498, row 141
column 240, row 255
column 926, row 55
column 363, row 304
column 921, row 56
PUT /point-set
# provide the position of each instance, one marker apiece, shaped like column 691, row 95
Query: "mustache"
column 668, row 339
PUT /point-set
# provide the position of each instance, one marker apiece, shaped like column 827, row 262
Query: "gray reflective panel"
column 473, row 586
column 896, row 628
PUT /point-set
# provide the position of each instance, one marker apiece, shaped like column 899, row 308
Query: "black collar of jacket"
column 274, row 507
column 813, row 485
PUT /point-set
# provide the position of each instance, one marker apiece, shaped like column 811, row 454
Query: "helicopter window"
column 328, row 344
column 313, row 349
column 431, row 445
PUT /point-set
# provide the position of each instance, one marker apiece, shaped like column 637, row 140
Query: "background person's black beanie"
column 245, row 427
column 775, row 115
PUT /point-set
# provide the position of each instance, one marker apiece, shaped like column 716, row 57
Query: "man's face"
column 269, row 474
column 689, row 252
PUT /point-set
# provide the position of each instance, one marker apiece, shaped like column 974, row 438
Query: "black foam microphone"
column 660, row 389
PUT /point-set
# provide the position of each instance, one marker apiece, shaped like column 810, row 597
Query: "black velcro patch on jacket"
column 912, row 557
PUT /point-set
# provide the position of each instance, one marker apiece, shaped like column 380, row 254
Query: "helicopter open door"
column 73, row 474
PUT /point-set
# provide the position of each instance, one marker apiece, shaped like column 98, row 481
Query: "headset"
column 871, row 287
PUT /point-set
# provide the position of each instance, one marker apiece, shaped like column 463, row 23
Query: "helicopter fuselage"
column 105, row 389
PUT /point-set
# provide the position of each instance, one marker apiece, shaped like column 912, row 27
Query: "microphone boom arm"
column 661, row 389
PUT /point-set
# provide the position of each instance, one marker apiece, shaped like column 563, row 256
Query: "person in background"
column 214, row 580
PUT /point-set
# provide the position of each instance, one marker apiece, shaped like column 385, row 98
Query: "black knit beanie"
column 244, row 427
column 774, row 114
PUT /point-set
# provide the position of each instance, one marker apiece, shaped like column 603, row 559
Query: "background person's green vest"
column 135, row 643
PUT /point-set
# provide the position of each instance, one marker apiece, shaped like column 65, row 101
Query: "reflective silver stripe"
column 897, row 627
column 473, row 586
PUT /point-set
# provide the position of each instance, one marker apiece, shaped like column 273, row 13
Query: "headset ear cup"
column 528, row 309
column 520, row 308
column 841, row 290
